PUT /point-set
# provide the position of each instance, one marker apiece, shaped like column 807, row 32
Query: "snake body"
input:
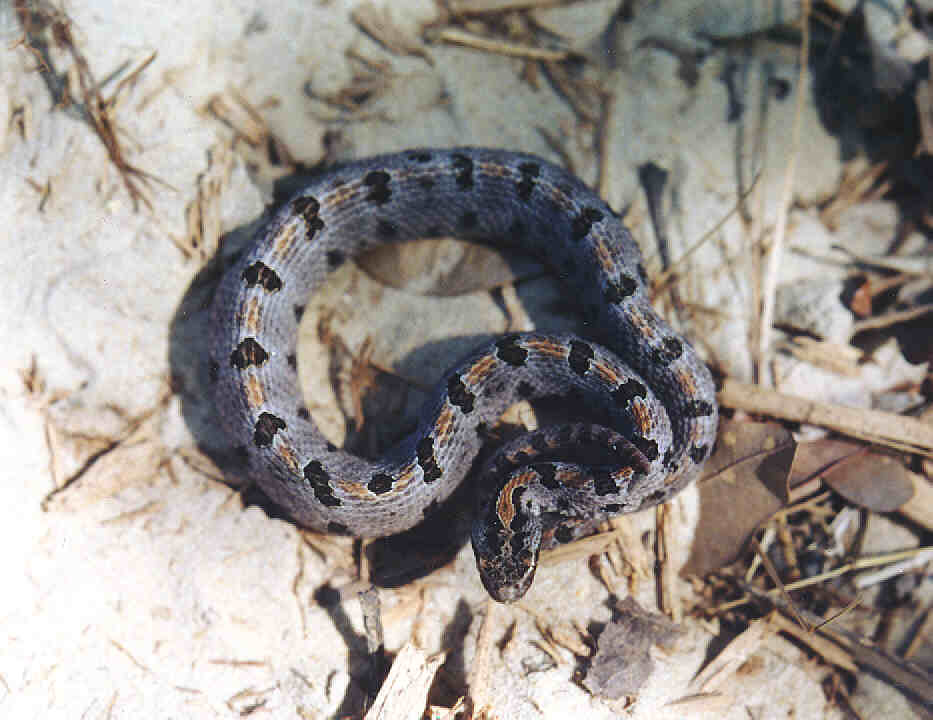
column 653, row 399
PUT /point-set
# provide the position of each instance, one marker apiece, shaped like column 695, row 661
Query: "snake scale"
column 652, row 400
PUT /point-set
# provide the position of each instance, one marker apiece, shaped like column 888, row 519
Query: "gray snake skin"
column 652, row 398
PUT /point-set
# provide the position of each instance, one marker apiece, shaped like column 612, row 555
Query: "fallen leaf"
column 814, row 458
column 868, row 479
column 871, row 480
column 622, row 662
column 744, row 483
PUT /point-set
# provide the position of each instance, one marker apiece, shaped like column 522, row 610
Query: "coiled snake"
column 653, row 399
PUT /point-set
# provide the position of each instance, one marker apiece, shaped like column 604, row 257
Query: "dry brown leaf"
column 814, row 458
column 873, row 481
column 744, row 483
column 919, row 508
column 864, row 478
column 622, row 662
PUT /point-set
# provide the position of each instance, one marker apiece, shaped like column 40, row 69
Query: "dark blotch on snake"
column 213, row 370
column 628, row 391
column 307, row 207
column 319, row 480
column 698, row 408
column 547, row 474
column 427, row 461
column 509, row 351
column 603, row 484
column 248, row 352
column 583, row 223
column 563, row 534
column 266, row 427
column 464, row 167
column 292, row 361
column 671, row 349
column 335, row 258
column 525, row 389
column 616, row 292
column 261, row 274
column 380, row 483
column 698, row 453
column 674, row 347
column 459, row 395
column 529, row 172
column 649, row 448
column 518, row 519
column 580, row 356
column 378, row 182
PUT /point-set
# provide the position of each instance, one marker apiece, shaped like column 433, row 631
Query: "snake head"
column 506, row 558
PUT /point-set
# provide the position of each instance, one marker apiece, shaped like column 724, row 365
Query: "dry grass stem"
column 772, row 272
column 455, row 36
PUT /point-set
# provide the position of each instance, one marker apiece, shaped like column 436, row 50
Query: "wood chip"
column 720, row 671
column 378, row 24
column 822, row 646
column 405, row 691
